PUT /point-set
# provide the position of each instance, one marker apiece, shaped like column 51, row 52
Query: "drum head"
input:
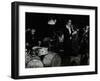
column 35, row 64
column 52, row 59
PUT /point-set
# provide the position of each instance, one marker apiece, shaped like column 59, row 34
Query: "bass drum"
column 35, row 63
column 51, row 60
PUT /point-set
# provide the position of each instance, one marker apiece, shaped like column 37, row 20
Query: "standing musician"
column 68, row 37
column 69, row 27
column 67, row 44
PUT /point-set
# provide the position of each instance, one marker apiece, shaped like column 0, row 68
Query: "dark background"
column 36, row 20
column 39, row 21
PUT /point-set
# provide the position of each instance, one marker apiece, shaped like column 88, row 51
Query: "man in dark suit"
column 67, row 44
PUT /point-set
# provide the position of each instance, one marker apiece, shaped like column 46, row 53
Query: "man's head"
column 69, row 22
column 33, row 31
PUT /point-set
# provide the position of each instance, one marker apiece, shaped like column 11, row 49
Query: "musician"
column 69, row 27
column 84, row 44
column 31, row 38
column 68, row 37
column 67, row 44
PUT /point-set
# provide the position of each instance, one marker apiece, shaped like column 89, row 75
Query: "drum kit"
column 42, row 58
